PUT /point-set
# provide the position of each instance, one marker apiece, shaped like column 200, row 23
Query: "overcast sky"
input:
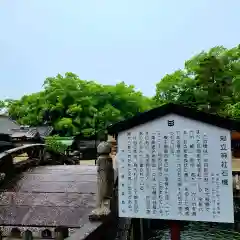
column 136, row 41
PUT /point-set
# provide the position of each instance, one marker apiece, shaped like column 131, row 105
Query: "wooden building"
column 30, row 135
column 87, row 145
column 26, row 136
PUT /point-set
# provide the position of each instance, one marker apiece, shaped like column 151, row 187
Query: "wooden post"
column 141, row 229
column 136, row 229
column 175, row 230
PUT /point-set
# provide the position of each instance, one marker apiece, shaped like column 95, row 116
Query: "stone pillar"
column 113, row 154
column 105, row 182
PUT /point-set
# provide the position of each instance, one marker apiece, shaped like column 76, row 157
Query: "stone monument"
column 105, row 182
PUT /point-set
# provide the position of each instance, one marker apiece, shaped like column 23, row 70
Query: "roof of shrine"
column 145, row 117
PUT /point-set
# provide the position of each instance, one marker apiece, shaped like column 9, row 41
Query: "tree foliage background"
column 210, row 81
column 74, row 106
column 54, row 144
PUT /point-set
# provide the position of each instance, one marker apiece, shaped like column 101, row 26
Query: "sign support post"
column 141, row 229
column 175, row 230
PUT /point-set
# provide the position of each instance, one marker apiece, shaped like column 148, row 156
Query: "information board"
column 175, row 168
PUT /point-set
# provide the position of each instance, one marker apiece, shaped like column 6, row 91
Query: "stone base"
column 99, row 214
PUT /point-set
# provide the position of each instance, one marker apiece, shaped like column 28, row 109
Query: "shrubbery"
column 53, row 143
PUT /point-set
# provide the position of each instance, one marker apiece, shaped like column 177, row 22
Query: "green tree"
column 208, row 82
column 2, row 105
column 53, row 143
column 73, row 106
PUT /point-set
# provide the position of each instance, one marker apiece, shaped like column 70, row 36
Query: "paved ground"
column 49, row 196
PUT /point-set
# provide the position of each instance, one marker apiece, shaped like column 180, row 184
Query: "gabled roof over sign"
column 169, row 108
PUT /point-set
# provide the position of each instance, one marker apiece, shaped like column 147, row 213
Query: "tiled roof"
column 7, row 124
column 44, row 131
column 190, row 113
column 31, row 132
column 26, row 132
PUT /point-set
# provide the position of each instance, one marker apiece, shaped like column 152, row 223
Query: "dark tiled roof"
column 7, row 124
column 44, row 131
column 163, row 110
column 31, row 132
column 26, row 132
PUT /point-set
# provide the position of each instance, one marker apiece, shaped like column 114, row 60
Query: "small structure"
column 87, row 145
column 27, row 135
column 175, row 157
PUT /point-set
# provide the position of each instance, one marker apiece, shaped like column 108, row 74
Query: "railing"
column 37, row 154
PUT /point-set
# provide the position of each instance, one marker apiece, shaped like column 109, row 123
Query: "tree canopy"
column 76, row 106
column 210, row 81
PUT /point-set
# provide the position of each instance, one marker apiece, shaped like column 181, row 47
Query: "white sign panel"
column 175, row 168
